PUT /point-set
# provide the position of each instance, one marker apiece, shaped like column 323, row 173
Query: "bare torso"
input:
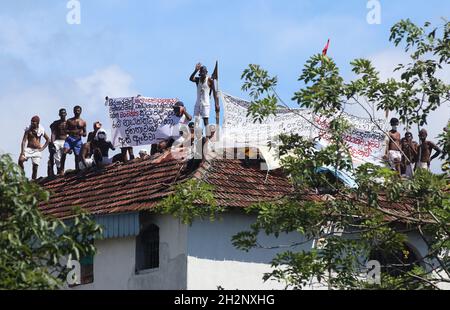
column 76, row 128
column 410, row 150
column 34, row 142
column 425, row 151
column 394, row 141
column 59, row 129
column 86, row 150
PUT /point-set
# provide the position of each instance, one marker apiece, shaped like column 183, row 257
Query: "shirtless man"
column 86, row 157
column 425, row 150
column 31, row 145
column 204, row 87
column 393, row 150
column 56, row 147
column 410, row 151
column 76, row 129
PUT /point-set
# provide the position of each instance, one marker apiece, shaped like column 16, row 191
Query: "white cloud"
column 111, row 81
column 35, row 51
column 386, row 61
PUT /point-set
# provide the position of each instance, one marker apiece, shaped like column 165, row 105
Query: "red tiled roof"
column 139, row 184
column 237, row 184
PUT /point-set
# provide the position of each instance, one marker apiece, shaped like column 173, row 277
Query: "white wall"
column 213, row 261
column 114, row 264
column 197, row 257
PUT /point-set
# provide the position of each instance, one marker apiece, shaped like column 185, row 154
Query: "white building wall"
column 114, row 264
column 214, row 262
column 421, row 248
column 198, row 257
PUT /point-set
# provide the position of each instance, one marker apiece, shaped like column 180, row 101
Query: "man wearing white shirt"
column 179, row 119
column 180, row 111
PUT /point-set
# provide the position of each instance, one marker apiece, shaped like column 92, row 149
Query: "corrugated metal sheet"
column 119, row 225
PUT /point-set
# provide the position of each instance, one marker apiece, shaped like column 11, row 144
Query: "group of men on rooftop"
column 406, row 155
column 67, row 134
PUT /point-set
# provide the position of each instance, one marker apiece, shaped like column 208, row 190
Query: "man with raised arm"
column 205, row 85
column 93, row 134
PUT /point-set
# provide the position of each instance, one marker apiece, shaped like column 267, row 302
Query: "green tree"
column 184, row 202
column 356, row 225
column 33, row 248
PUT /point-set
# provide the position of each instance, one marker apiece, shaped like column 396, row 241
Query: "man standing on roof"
column 31, row 145
column 425, row 150
column 393, row 150
column 56, row 147
column 76, row 129
column 409, row 158
column 205, row 85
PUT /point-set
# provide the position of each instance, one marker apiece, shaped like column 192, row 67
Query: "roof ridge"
column 202, row 172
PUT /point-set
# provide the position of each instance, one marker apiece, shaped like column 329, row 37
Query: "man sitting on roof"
column 87, row 160
column 93, row 134
column 143, row 154
column 102, row 146
column 162, row 146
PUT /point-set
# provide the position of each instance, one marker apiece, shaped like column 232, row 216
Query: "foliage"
column 353, row 225
column 33, row 247
column 191, row 199
column 444, row 142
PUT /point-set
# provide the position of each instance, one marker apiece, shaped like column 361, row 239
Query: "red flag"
column 325, row 50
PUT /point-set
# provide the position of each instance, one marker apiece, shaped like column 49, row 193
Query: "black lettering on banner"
column 138, row 121
column 365, row 138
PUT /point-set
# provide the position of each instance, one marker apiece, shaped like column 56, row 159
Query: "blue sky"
column 122, row 48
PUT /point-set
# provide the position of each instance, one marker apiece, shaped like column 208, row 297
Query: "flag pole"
column 216, row 81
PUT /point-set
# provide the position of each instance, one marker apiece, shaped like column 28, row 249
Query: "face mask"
column 102, row 137
column 394, row 128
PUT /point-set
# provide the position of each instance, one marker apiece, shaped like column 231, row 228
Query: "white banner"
column 140, row 121
column 365, row 140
